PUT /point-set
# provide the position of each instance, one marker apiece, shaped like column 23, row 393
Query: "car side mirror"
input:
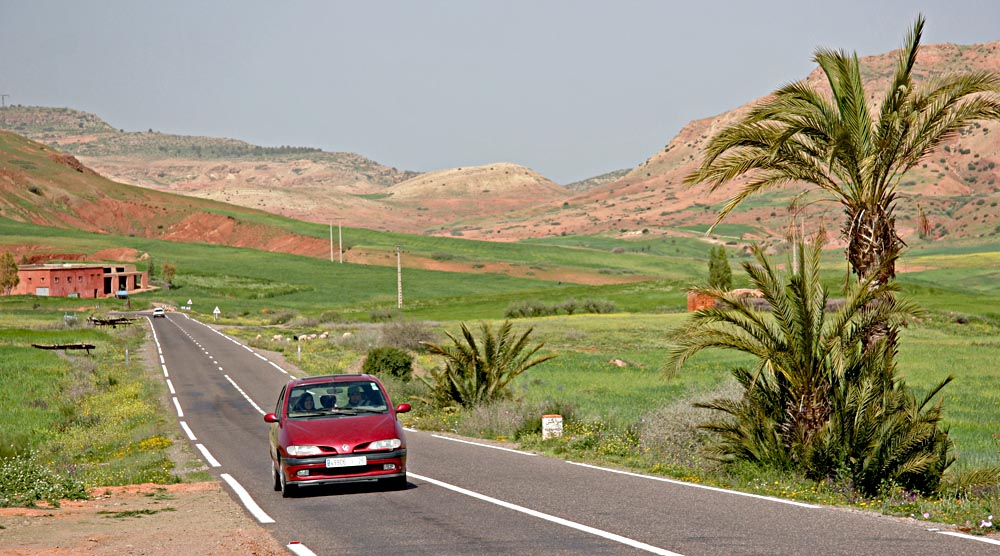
column 402, row 408
column 272, row 418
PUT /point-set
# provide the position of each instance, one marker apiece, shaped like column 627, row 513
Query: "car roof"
column 332, row 378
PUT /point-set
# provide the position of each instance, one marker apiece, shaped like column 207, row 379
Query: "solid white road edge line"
column 558, row 520
column 208, row 455
column 248, row 502
column 970, row 537
column 483, row 445
column 696, row 485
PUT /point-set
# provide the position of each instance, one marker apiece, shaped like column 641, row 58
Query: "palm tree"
column 479, row 372
column 845, row 147
column 815, row 400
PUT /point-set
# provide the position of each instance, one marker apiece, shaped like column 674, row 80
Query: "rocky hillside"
column 302, row 183
column 44, row 186
column 956, row 188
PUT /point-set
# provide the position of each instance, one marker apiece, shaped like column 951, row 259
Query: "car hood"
column 337, row 431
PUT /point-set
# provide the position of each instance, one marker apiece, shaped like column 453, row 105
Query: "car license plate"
column 353, row 461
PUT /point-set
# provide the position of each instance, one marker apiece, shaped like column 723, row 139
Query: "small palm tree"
column 479, row 372
column 815, row 400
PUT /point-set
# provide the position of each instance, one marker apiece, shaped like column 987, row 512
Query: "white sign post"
column 552, row 426
column 216, row 312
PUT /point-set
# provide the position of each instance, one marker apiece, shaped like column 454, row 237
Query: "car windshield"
column 336, row 399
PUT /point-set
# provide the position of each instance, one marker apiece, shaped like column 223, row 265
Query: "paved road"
column 471, row 498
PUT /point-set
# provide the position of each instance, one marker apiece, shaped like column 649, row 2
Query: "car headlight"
column 303, row 451
column 388, row 444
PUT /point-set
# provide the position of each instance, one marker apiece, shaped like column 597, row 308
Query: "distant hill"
column 298, row 182
column 446, row 201
column 956, row 190
column 44, row 186
column 590, row 183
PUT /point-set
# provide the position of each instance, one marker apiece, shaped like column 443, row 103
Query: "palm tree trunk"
column 872, row 249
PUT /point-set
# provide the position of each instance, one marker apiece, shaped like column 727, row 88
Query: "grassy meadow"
column 607, row 378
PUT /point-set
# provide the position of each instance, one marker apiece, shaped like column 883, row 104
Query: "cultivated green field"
column 607, row 377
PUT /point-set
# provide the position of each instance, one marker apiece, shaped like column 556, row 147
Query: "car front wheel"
column 275, row 476
column 286, row 489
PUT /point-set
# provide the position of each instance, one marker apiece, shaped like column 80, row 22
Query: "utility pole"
column 3, row 100
column 331, row 242
column 399, row 281
column 340, row 242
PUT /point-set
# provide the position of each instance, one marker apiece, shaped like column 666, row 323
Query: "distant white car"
column 159, row 312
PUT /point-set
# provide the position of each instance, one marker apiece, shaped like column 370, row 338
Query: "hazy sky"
column 571, row 89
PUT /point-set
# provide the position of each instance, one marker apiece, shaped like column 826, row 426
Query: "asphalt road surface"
column 472, row 498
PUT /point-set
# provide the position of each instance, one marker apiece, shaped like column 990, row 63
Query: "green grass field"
column 608, row 367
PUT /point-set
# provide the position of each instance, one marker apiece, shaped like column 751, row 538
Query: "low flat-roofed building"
column 79, row 280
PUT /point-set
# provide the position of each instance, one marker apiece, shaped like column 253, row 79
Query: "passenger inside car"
column 355, row 396
column 327, row 401
column 304, row 403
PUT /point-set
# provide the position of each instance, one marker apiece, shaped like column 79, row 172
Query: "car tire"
column 286, row 489
column 275, row 478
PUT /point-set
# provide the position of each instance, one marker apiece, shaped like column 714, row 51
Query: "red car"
column 336, row 429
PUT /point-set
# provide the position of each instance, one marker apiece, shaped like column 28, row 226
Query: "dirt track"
column 192, row 519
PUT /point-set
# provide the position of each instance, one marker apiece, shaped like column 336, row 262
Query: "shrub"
column 24, row 481
column 329, row 316
column 599, row 306
column 406, row 335
column 536, row 308
column 382, row 314
column 816, row 400
column 281, row 316
column 528, row 308
column 480, row 372
column 389, row 360
column 569, row 306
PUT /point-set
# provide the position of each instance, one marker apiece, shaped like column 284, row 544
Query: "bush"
column 382, row 315
column 389, row 360
column 329, row 316
column 406, row 335
column 281, row 316
column 599, row 306
column 529, row 308
column 479, row 372
column 25, row 481
column 569, row 306
column 536, row 308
